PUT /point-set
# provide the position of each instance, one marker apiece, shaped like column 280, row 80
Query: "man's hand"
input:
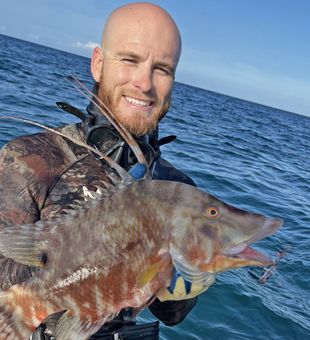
column 180, row 289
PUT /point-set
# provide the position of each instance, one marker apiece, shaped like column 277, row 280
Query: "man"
column 41, row 175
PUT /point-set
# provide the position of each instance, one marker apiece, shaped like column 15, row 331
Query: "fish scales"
column 126, row 234
column 119, row 252
column 118, row 238
column 116, row 223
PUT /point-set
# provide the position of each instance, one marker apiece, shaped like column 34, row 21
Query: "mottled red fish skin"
column 114, row 246
column 28, row 306
column 105, row 292
column 99, row 297
column 115, row 253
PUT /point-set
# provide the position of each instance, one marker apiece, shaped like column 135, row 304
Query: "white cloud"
column 87, row 46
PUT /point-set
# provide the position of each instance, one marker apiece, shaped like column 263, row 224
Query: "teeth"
column 137, row 102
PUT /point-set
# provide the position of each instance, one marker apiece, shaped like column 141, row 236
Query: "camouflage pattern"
column 41, row 175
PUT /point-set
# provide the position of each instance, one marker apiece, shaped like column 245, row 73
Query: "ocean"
column 249, row 155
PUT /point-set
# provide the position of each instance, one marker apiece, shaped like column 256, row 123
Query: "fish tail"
column 69, row 327
column 11, row 327
column 21, row 312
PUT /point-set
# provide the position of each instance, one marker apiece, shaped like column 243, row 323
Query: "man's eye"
column 129, row 60
column 163, row 70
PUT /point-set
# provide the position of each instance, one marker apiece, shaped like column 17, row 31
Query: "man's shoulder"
column 23, row 146
column 42, row 143
column 164, row 170
column 41, row 153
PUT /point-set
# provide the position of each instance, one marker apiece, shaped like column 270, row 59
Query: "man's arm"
column 17, row 205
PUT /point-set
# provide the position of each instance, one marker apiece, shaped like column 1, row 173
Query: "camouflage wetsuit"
column 42, row 174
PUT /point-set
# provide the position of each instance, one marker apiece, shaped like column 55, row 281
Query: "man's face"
column 137, row 76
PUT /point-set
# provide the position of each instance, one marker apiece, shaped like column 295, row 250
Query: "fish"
column 120, row 249
column 128, row 245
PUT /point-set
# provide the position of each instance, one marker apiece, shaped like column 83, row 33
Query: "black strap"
column 147, row 331
column 73, row 110
column 166, row 140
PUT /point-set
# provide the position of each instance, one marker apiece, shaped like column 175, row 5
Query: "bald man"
column 136, row 65
column 133, row 72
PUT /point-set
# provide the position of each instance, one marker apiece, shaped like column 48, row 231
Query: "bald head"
column 150, row 21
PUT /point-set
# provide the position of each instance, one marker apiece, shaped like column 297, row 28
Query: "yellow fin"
column 149, row 273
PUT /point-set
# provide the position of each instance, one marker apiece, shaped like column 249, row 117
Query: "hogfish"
column 119, row 251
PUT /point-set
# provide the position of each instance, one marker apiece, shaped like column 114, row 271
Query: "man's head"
column 136, row 65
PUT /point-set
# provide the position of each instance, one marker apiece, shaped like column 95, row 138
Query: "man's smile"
column 138, row 102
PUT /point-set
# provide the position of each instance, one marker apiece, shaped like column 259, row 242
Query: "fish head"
column 216, row 237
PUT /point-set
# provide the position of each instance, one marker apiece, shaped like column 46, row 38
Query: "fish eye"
column 212, row 212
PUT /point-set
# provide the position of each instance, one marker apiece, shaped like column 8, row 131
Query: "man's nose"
column 144, row 79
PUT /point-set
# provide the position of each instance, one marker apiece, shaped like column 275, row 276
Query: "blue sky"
column 257, row 50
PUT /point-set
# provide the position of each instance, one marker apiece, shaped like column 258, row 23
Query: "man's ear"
column 96, row 63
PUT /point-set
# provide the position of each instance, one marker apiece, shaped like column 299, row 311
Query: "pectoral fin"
column 21, row 243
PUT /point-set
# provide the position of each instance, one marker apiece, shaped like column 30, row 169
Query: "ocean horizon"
column 191, row 85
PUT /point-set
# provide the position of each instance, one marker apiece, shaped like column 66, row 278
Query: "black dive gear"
column 102, row 135
column 123, row 327
column 146, row 331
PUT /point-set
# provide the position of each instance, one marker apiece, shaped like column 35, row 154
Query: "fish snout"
column 239, row 254
column 276, row 223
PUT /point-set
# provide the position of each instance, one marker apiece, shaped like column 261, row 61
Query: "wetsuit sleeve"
column 17, row 205
column 172, row 312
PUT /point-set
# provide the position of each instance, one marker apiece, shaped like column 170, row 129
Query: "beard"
column 138, row 123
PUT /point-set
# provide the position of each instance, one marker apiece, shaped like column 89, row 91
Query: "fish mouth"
column 242, row 255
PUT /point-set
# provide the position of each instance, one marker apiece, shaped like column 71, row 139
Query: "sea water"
column 249, row 155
